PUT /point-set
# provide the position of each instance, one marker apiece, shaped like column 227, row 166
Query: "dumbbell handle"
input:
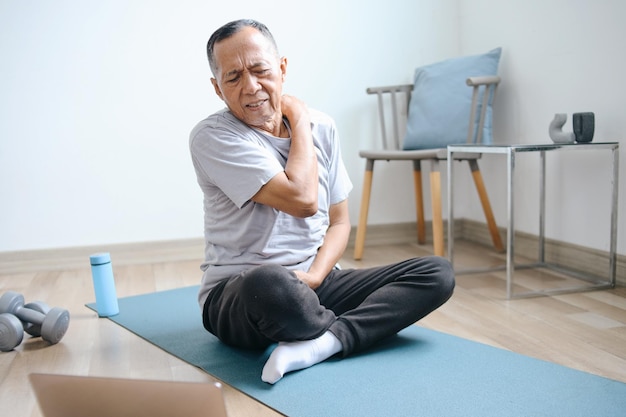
column 29, row 316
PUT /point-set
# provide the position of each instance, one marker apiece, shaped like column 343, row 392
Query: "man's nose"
column 250, row 83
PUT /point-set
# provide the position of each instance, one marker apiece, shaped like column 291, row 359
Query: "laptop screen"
column 85, row 396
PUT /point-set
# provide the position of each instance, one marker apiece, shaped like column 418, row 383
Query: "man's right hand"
column 295, row 110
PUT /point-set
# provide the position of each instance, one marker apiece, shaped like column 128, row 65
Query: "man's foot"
column 293, row 356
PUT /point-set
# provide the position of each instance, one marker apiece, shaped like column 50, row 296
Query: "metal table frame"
column 510, row 151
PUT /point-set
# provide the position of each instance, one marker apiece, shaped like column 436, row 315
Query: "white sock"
column 293, row 356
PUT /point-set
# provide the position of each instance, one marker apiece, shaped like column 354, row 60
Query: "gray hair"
column 231, row 28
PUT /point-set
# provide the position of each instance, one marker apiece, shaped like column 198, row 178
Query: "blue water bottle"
column 104, row 284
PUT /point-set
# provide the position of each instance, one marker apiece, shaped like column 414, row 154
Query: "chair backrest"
column 398, row 97
column 393, row 105
column 484, row 91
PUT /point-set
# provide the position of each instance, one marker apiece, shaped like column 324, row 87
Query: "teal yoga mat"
column 418, row 372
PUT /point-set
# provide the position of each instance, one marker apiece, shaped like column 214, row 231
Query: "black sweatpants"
column 268, row 304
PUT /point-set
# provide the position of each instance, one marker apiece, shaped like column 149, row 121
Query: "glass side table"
column 510, row 151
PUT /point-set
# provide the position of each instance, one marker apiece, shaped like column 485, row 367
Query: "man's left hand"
column 309, row 279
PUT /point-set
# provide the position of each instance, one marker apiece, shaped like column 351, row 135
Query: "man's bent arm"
column 294, row 191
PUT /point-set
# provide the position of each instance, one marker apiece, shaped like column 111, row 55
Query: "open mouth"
column 256, row 104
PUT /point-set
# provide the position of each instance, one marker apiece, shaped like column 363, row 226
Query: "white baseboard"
column 121, row 254
column 586, row 260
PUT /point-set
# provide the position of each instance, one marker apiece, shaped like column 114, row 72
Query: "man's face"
column 249, row 78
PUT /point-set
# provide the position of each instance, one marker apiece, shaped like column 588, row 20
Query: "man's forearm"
column 334, row 245
column 330, row 252
column 301, row 166
column 294, row 190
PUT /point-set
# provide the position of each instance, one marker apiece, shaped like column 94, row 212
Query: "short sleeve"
column 232, row 158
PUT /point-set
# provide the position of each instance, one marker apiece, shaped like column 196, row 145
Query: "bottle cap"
column 100, row 258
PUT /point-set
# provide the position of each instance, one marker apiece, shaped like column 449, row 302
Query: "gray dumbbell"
column 51, row 325
column 11, row 333
column 34, row 329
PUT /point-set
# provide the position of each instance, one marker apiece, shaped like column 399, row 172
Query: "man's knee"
column 445, row 277
column 437, row 273
column 263, row 282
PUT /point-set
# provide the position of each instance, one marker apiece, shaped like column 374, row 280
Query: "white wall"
column 559, row 56
column 97, row 100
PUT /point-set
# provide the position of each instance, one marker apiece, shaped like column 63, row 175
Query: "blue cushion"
column 440, row 102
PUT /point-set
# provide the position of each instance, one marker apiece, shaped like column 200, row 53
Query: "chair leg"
column 484, row 200
column 359, row 242
column 435, row 190
column 419, row 201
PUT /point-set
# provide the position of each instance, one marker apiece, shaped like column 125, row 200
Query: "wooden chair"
column 483, row 88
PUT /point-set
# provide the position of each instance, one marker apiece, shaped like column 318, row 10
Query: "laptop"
column 85, row 396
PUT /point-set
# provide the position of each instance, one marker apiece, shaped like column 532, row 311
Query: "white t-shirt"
column 232, row 162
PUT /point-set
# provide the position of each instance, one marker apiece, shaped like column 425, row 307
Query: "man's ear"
column 217, row 88
column 283, row 67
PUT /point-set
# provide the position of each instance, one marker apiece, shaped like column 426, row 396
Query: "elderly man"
column 276, row 222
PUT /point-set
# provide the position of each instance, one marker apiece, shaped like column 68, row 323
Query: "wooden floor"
column 585, row 331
